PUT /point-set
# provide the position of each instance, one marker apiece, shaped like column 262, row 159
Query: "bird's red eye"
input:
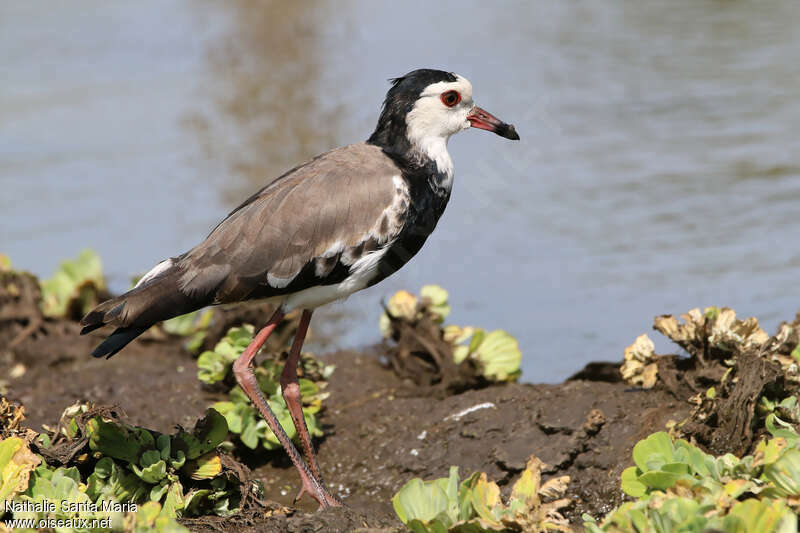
column 451, row 98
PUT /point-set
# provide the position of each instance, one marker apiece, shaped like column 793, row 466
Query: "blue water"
column 659, row 166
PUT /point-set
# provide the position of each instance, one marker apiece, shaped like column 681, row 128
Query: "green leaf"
column 418, row 500
column 173, row 503
column 153, row 472
column 753, row 515
column 104, row 467
column 697, row 460
column 76, row 282
column 250, row 434
column 16, row 464
column 204, row 467
column 178, row 460
column 796, row 353
column 779, row 428
column 149, row 518
column 653, row 451
column 163, row 445
column 194, row 501
column 211, row 367
column 526, row 486
column 438, row 298
column 659, row 480
column 117, row 440
column 460, row 353
column 675, row 468
column 206, row 435
column 784, row 473
column 499, row 354
column 477, row 339
column 465, row 509
column 486, row 501
column 450, row 488
column 149, row 458
column 188, row 324
column 157, row 492
column 631, row 484
column 214, row 365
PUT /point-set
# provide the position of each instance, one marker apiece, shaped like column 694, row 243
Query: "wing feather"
column 322, row 210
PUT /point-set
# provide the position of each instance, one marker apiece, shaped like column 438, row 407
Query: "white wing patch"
column 361, row 273
column 334, row 249
column 155, row 271
column 278, row 283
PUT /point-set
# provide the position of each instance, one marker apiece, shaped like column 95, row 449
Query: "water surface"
column 658, row 168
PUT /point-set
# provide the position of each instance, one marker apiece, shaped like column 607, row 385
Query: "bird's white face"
column 444, row 109
column 440, row 111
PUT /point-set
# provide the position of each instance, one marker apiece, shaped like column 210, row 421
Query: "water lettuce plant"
column 713, row 335
column 496, row 354
column 60, row 494
column 215, row 366
column 139, row 465
column 16, row 464
column 678, row 487
column 405, row 305
column 74, row 287
column 475, row 506
column 32, row 490
column 132, row 478
column 640, row 368
column 193, row 326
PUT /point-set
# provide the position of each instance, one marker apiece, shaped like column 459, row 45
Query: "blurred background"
column 659, row 167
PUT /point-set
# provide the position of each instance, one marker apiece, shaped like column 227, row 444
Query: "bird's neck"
column 423, row 155
column 433, row 150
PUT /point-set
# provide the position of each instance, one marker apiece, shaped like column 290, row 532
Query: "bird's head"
column 425, row 107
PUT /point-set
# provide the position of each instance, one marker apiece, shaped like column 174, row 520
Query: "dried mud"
column 380, row 430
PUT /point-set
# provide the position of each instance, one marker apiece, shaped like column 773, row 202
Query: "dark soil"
column 380, row 431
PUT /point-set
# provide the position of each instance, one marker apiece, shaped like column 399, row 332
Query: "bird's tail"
column 135, row 311
column 117, row 341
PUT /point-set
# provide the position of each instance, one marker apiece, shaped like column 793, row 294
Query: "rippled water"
column 659, row 167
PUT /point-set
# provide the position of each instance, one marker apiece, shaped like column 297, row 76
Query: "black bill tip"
column 508, row 131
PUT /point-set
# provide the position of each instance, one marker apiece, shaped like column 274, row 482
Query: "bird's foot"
column 319, row 493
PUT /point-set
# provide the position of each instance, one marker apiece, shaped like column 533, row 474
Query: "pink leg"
column 291, row 393
column 243, row 371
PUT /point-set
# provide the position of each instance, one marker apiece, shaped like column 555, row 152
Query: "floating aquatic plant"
column 243, row 420
column 193, row 326
column 136, row 480
column 678, row 487
column 496, row 354
column 74, row 286
column 640, row 367
column 16, row 464
column 475, row 504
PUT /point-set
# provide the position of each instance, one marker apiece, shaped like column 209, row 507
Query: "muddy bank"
column 380, row 431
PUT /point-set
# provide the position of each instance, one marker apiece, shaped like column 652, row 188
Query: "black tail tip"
column 116, row 341
column 92, row 327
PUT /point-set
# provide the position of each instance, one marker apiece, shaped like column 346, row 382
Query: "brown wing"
column 319, row 216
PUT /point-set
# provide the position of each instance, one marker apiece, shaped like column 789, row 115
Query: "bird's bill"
column 484, row 120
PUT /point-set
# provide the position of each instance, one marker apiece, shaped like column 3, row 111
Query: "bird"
column 337, row 224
